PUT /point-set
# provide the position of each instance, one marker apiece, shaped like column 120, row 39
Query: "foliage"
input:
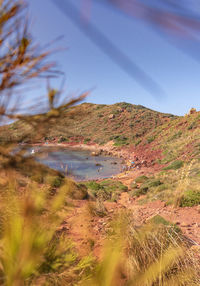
column 106, row 189
column 155, row 254
column 150, row 139
column 62, row 139
column 141, row 179
column 190, row 199
column 174, row 165
column 145, row 185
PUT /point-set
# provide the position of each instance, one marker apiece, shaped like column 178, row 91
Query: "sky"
column 86, row 67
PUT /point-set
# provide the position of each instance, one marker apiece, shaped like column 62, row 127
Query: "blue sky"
column 87, row 67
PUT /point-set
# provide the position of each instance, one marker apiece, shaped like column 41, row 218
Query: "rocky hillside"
column 123, row 123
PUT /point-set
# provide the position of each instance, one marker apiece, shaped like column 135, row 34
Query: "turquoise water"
column 78, row 164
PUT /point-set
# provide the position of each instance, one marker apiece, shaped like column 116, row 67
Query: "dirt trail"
column 89, row 232
column 188, row 218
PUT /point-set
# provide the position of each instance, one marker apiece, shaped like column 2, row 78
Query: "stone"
column 94, row 153
column 192, row 111
column 111, row 116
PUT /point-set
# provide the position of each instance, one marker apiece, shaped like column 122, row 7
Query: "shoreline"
column 100, row 150
column 107, row 149
column 133, row 166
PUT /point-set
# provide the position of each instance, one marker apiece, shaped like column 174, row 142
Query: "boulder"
column 192, row 111
column 111, row 116
column 94, row 153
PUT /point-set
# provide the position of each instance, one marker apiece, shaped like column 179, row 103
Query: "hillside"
column 123, row 123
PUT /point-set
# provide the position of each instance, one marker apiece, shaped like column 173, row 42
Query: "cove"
column 78, row 164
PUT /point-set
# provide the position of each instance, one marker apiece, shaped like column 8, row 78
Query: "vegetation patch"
column 190, row 199
column 150, row 139
column 106, row 190
column 174, row 165
column 141, row 179
column 120, row 140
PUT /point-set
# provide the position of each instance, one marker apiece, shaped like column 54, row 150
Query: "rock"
column 95, row 153
column 184, row 224
column 111, row 116
column 192, row 111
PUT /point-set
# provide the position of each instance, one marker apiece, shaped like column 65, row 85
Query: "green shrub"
column 106, row 190
column 38, row 178
column 77, row 191
column 93, row 185
column 133, row 185
column 53, row 181
column 150, row 139
column 161, row 188
column 114, row 185
column 120, row 141
column 174, row 165
column 155, row 183
column 139, row 192
column 138, row 142
column 141, row 179
column 175, row 136
column 190, row 199
column 86, row 140
column 157, row 219
column 62, row 139
column 193, row 125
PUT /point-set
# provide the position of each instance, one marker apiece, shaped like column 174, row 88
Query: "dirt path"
column 188, row 218
column 88, row 232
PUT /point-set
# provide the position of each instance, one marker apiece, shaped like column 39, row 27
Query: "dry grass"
column 154, row 254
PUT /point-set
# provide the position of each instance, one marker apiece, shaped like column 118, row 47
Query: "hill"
column 123, row 123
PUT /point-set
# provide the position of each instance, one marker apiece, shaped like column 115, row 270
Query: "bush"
column 155, row 183
column 174, row 165
column 86, row 140
column 138, row 142
column 62, row 139
column 141, row 179
column 134, row 185
column 53, row 181
column 190, row 199
column 161, row 188
column 193, row 125
column 150, row 139
column 93, row 185
column 77, row 191
column 120, row 140
column 139, row 192
column 106, row 190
